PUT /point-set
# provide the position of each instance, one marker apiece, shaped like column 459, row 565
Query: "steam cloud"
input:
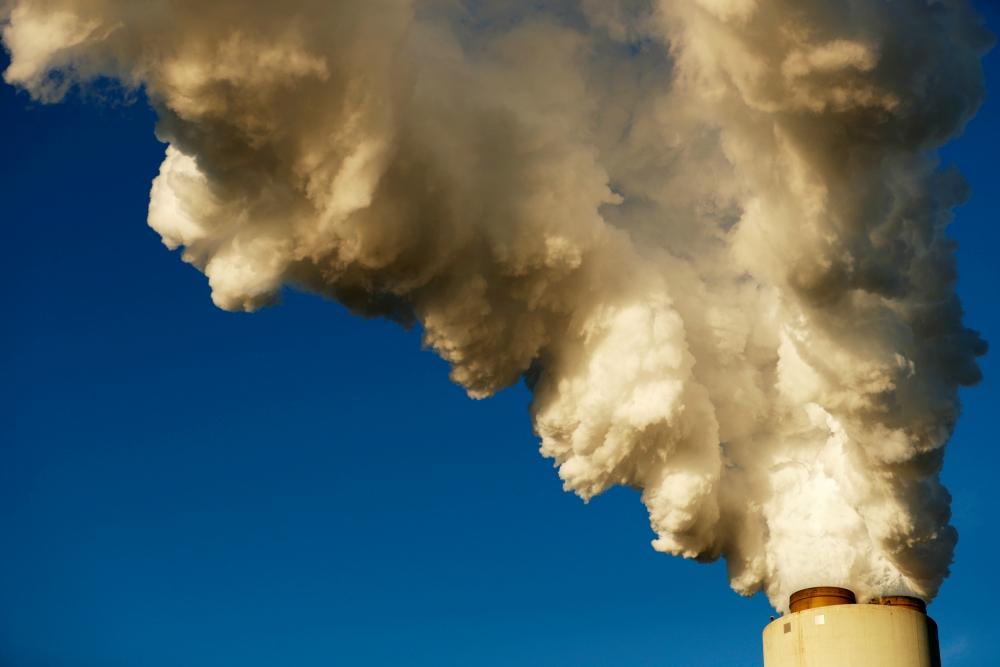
column 709, row 234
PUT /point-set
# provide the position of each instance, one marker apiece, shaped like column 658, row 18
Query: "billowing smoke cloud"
column 709, row 234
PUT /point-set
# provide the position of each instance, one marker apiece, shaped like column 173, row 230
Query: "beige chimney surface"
column 853, row 635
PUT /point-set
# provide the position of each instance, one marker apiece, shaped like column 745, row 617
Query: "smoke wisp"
column 709, row 234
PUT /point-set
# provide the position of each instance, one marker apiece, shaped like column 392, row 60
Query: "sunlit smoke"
column 710, row 235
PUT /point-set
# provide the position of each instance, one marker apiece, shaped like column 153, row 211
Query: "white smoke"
column 710, row 234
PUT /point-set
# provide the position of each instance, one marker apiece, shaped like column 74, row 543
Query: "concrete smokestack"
column 826, row 628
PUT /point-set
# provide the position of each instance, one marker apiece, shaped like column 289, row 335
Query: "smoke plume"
column 708, row 234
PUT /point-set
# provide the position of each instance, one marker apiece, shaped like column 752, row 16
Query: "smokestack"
column 827, row 628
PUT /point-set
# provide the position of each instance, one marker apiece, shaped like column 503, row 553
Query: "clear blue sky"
column 185, row 486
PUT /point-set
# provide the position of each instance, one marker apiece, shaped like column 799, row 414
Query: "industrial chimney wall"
column 852, row 635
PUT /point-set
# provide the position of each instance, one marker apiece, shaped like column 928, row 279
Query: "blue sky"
column 185, row 486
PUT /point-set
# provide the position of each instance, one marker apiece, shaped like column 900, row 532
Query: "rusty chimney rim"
column 906, row 602
column 820, row 596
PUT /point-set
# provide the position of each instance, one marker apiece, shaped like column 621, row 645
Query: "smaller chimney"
column 916, row 604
